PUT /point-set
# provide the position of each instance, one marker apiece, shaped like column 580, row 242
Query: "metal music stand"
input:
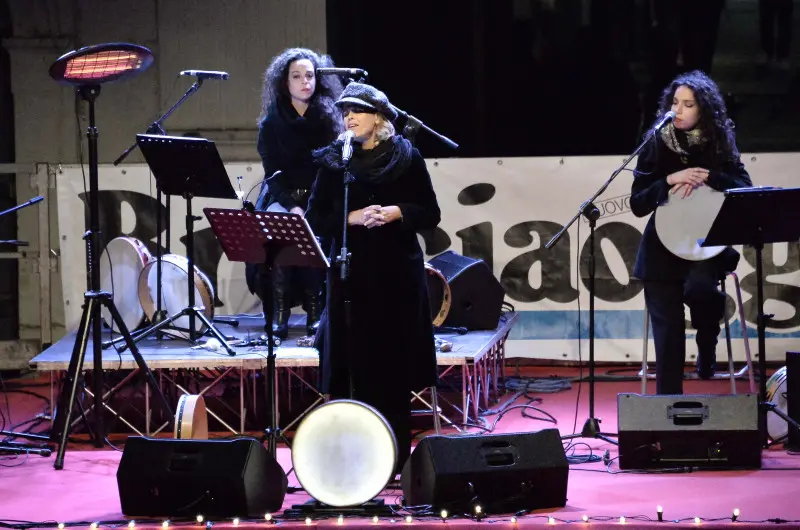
column 271, row 238
column 754, row 217
column 189, row 167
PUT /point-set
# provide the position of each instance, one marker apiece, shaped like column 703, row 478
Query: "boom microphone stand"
column 591, row 428
column 156, row 128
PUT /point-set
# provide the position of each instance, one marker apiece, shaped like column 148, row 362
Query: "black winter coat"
column 392, row 329
column 654, row 262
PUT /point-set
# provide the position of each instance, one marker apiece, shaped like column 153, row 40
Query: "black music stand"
column 189, row 167
column 754, row 217
column 271, row 238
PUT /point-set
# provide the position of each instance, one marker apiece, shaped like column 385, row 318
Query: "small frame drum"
column 681, row 222
column 439, row 294
column 191, row 419
column 121, row 263
column 344, row 453
column 175, row 291
column 777, row 427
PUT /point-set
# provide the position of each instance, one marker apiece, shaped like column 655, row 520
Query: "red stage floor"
column 85, row 490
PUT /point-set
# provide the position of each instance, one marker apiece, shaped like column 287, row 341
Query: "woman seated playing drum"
column 697, row 149
column 388, row 347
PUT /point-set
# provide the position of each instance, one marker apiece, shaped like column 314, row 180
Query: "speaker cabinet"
column 503, row 473
column 793, row 398
column 220, row 478
column 675, row 431
column 476, row 295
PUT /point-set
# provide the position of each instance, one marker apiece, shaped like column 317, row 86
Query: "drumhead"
column 680, row 223
column 175, row 290
column 777, row 427
column 121, row 263
column 344, row 453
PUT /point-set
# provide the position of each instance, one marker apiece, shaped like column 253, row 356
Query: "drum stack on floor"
column 130, row 273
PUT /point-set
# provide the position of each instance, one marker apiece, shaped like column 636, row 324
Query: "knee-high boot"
column 313, row 307
column 283, row 308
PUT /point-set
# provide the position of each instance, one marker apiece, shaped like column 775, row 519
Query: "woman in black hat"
column 298, row 115
column 390, row 338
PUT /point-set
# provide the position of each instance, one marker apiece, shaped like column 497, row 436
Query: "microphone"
column 347, row 147
column 206, row 74
column 342, row 71
column 666, row 118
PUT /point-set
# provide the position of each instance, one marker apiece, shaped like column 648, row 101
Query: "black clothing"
column 391, row 340
column 671, row 281
column 285, row 142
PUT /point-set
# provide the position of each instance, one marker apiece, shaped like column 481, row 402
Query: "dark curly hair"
column 714, row 122
column 328, row 87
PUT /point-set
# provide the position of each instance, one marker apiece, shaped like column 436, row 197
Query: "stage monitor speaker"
column 161, row 477
column 793, row 398
column 476, row 300
column 502, row 473
column 688, row 431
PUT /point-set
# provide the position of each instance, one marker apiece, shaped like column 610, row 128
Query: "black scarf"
column 383, row 163
column 296, row 135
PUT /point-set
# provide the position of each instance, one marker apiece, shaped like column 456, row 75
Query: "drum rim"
column 362, row 405
column 444, row 307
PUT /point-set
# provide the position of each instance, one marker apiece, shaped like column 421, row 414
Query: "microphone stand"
column 343, row 260
column 9, row 446
column 591, row 429
column 156, row 128
column 413, row 125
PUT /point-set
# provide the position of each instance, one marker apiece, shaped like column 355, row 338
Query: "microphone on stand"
column 666, row 118
column 347, row 146
column 342, row 71
column 206, row 74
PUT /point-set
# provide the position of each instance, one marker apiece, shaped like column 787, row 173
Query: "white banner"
column 501, row 210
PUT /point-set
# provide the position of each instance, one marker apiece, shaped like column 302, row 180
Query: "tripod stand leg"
column 151, row 380
column 61, row 423
column 214, row 331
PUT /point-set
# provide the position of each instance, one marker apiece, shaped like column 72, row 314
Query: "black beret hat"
column 367, row 96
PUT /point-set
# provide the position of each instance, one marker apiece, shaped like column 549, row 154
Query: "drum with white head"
column 121, row 263
column 777, row 427
column 175, row 290
column 681, row 222
column 344, row 453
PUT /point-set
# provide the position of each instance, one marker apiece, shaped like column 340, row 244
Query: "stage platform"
column 477, row 355
column 35, row 495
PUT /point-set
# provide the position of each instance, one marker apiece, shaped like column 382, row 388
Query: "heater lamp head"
column 101, row 63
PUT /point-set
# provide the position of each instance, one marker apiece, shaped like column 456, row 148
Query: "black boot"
column 313, row 311
column 283, row 308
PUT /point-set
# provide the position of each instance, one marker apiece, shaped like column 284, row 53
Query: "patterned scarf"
column 682, row 142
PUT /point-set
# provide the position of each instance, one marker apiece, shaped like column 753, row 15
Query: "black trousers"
column 665, row 300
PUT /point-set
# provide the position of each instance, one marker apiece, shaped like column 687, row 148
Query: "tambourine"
column 191, row 420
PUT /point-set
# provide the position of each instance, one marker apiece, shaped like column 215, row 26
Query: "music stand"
column 271, row 238
column 189, row 167
column 754, row 217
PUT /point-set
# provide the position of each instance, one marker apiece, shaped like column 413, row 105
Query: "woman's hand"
column 684, row 182
column 299, row 211
column 382, row 215
column 360, row 217
column 692, row 175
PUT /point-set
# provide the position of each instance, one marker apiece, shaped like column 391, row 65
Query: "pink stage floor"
column 33, row 494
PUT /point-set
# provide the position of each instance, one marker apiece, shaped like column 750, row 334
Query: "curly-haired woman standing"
column 298, row 115
column 697, row 148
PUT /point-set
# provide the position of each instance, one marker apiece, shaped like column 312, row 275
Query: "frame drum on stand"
column 174, row 290
column 121, row 264
column 777, row 427
column 681, row 222
column 344, row 453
